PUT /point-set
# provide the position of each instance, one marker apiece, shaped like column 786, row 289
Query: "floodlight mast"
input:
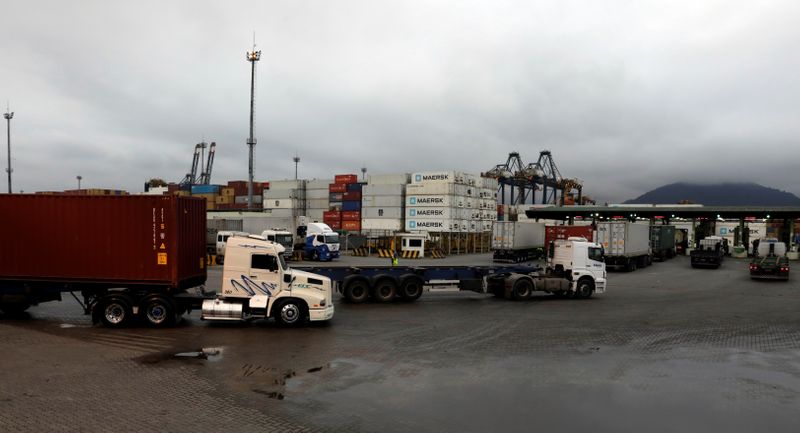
column 252, row 57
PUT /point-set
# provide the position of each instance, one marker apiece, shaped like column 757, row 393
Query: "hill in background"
column 724, row 194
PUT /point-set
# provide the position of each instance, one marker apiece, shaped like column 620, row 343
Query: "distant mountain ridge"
column 722, row 194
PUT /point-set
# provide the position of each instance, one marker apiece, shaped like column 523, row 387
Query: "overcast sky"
column 628, row 95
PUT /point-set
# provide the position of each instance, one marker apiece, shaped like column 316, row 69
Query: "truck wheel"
column 631, row 266
column 159, row 312
column 410, row 288
column 290, row 313
column 522, row 289
column 584, row 289
column 115, row 312
column 314, row 255
column 356, row 291
column 385, row 290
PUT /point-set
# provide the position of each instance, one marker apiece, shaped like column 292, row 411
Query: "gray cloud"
column 627, row 95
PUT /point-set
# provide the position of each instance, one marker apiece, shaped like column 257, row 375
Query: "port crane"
column 524, row 180
column 192, row 178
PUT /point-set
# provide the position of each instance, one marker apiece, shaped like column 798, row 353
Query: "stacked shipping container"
column 284, row 198
column 345, row 203
column 317, row 198
column 447, row 202
column 382, row 200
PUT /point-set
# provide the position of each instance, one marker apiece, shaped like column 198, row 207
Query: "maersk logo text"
column 427, row 212
column 435, row 177
column 426, row 224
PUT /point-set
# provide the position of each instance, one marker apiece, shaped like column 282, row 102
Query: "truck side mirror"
column 287, row 278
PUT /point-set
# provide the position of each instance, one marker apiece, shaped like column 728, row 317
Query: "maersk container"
column 435, row 201
column 437, row 177
column 439, row 213
column 83, row 241
column 439, row 189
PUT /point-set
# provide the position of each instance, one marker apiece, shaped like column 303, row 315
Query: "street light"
column 79, row 177
column 8, row 116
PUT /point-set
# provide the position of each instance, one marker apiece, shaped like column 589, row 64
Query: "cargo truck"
column 282, row 237
column 662, row 242
column 322, row 243
column 143, row 258
column 575, row 268
column 554, row 233
column 770, row 261
column 626, row 244
column 708, row 254
column 517, row 241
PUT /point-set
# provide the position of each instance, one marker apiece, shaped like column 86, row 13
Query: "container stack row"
column 345, row 203
column 450, row 202
column 382, row 200
column 284, row 198
column 317, row 199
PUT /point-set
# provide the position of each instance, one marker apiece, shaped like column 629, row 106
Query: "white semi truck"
column 626, row 244
column 257, row 283
column 283, row 237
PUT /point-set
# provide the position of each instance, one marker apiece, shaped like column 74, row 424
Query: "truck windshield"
column 282, row 261
column 285, row 239
column 596, row 254
column 331, row 238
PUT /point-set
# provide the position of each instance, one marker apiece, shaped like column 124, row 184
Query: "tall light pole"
column 296, row 160
column 252, row 57
column 363, row 173
column 79, row 177
column 8, row 116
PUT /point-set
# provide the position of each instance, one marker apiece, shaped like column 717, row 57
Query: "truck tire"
column 158, row 312
column 522, row 290
column 385, row 289
column 290, row 313
column 410, row 288
column 584, row 289
column 115, row 311
column 356, row 290
column 631, row 265
column 314, row 255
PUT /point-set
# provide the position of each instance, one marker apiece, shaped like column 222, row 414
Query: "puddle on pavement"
column 691, row 390
column 211, row 354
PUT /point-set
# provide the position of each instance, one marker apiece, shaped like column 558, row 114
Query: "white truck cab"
column 580, row 262
column 257, row 283
column 222, row 239
column 281, row 236
column 322, row 243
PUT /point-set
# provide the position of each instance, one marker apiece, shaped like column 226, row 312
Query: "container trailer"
column 575, row 268
column 662, row 242
column 517, row 241
column 553, row 233
column 627, row 244
column 770, row 261
column 144, row 257
column 709, row 253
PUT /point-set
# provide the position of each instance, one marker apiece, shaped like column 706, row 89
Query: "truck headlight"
column 322, row 303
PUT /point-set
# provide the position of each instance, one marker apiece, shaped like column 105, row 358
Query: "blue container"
column 205, row 189
column 353, row 187
column 351, row 205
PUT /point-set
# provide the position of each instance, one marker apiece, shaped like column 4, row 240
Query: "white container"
column 439, row 189
column 388, row 179
column 381, row 224
column 624, row 238
column 279, row 213
column 270, row 194
column 382, row 212
column 317, row 204
column 318, row 184
column 435, row 201
column 517, row 235
column 382, row 200
column 242, row 199
column 441, row 213
column 286, row 184
column 383, row 189
column 436, row 177
column 312, row 194
column 432, row 225
column 315, row 214
column 281, row 203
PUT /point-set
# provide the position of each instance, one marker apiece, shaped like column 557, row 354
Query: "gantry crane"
column 191, row 178
column 525, row 180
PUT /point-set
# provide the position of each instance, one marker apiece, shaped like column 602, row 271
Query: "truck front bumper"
column 321, row 314
column 600, row 285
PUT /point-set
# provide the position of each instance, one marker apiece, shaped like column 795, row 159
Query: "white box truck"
column 517, row 241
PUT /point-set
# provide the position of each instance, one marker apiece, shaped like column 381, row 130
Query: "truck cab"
column 282, row 237
column 222, row 239
column 322, row 243
column 580, row 262
column 257, row 283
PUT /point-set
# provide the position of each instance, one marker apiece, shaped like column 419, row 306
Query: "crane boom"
column 191, row 176
column 205, row 177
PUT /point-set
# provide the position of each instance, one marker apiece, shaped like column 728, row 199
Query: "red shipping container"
column 129, row 240
column 332, row 215
column 352, row 196
column 345, row 179
column 337, row 187
column 552, row 233
column 350, row 215
column 352, row 226
column 334, row 225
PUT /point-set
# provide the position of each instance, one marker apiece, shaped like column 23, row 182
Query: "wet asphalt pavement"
column 667, row 349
